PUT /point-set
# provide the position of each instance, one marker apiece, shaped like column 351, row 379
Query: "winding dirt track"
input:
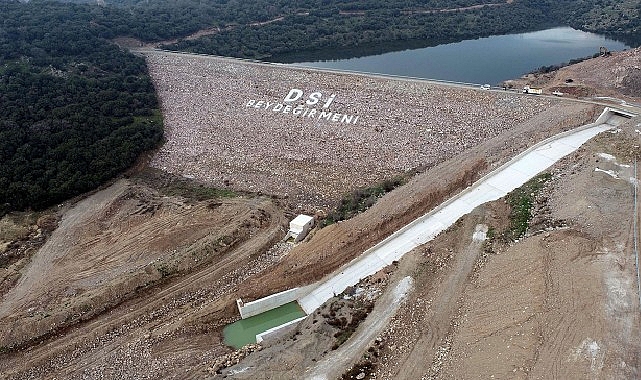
column 183, row 302
column 333, row 365
column 57, row 246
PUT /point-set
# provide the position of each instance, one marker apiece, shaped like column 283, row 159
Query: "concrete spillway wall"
column 273, row 301
column 279, row 331
column 491, row 187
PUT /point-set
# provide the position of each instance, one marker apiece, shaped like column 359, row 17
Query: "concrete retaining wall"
column 279, row 331
column 273, row 301
column 312, row 296
column 492, row 186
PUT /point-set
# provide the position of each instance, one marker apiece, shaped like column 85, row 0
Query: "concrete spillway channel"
column 493, row 186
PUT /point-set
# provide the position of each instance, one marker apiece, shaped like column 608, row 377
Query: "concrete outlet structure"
column 249, row 309
column 491, row 187
column 300, row 226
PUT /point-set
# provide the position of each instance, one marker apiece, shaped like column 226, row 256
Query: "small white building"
column 300, row 226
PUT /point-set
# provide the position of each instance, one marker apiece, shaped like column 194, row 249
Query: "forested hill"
column 334, row 27
column 75, row 110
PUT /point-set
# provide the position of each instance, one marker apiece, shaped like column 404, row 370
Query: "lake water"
column 484, row 60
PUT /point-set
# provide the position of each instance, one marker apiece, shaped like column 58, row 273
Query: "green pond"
column 243, row 332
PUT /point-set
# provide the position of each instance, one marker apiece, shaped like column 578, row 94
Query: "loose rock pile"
column 233, row 358
column 215, row 136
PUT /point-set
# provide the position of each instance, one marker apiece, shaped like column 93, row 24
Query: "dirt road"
column 57, row 247
column 445, row 304
column 333, row 365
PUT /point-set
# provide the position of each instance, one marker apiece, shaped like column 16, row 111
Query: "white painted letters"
column 329, row 101
column 294, row 95
column 314, row 97
column 306, row 107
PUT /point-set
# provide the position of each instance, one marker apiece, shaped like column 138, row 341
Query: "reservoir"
column 244, row 331
column 485, row 60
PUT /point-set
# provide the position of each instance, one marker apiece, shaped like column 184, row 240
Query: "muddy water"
column 243, row 332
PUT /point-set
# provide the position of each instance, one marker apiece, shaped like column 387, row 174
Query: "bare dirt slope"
column 616, row 75
column 31, row 284
column 122, row 261
column 561, row 303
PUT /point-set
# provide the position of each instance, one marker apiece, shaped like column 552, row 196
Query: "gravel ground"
column 216, row 135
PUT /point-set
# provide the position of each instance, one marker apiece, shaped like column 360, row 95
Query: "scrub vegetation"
column 521, row 201
column 360, row 200
column 359, row 310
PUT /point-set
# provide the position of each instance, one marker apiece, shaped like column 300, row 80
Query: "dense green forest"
column 76, row 110
column 281, row 40
column 339, row 29
column 244, row 27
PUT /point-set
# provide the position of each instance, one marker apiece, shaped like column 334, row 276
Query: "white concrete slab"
column 504, row 182
column 491, row 187
column 275, row 332
column 538, row 164
column 479, row 195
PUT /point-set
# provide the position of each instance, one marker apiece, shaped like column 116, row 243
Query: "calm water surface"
column 244, row 331
column 485, row 60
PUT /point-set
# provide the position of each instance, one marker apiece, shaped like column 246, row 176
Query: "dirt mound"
column 616, row 75
column 631, row 83
column 559, row 303
column 137, row 239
